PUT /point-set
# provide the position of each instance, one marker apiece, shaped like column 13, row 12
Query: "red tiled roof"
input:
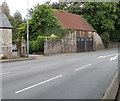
column 73, row 21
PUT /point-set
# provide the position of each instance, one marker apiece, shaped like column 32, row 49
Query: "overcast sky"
column 21, row 5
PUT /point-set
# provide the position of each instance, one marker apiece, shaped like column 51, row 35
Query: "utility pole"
column 27, row 28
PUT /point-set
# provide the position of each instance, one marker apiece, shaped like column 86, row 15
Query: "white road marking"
column 83, row 67
column 4, row 73
column 105, row 56
column 113, row 58
column 37, row 84
column 0, row 98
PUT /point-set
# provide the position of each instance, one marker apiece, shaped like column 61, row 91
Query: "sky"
column 21, row 5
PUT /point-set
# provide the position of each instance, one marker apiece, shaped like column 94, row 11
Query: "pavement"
column 118, row 95
column 31, row 57
column 66, row 76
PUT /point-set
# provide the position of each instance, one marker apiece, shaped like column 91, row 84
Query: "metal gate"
column 89, row 44
column 80, row 44
column 84, row 44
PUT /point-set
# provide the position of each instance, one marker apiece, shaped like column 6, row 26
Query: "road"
column 65, row 76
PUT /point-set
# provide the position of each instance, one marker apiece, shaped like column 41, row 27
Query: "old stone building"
column 84, row 38
column 5, row 35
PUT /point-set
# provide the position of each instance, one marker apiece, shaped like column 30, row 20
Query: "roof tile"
column 73, row 21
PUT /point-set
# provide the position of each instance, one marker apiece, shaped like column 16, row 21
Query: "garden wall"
column 65, row 45
column 114, row 45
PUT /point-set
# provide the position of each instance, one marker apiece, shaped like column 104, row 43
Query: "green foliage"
column 106, row 39
column 22, row 30
column 43, row 19
column 33, row 46
column 38, row 45
column 101, row 16
column 48, row 37
column 42, row 22
column 18, row 20
column 55, row 5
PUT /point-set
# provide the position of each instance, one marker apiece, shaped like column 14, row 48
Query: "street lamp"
column 27, row 28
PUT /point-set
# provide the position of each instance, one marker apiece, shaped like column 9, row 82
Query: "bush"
column 32, row 46
column 48, row 37
column 38, row 45
column 106, row 39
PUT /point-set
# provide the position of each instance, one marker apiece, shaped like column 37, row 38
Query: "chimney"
column 1, row 9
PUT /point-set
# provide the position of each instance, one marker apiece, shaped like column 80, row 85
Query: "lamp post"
column 27, row 29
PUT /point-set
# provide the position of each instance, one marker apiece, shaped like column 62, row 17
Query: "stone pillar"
column 1, row 43
column 23, row 48
column 75, row 40
column 1, row 10
column 45, row 46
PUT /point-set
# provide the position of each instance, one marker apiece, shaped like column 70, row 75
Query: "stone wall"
column 68, row 44
column 0, row 43
column 65, row 45
column 52, row 47
column 6, row 42
column 97, row 44
column 114, row 45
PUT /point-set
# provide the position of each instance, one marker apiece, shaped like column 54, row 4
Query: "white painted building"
column 5, row 35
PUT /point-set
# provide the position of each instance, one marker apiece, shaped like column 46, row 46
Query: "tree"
column 116, row 33
column 6, row 9
column 18, row 20
column 22, row 30
column 55, row 5
column 106, row 39
column 42, row 22
column 104, row 17
column 44, row 19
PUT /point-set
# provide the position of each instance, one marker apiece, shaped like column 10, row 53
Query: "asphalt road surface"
column 65, row 76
